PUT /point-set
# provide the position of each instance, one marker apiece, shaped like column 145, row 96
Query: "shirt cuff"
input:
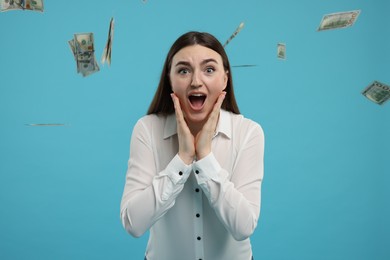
column 178, row 171
column 207, row 169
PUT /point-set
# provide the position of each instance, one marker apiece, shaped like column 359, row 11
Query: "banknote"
column 34, row 5
column 377, row 92
column 72, row 48
column 338, row 20
column 82, row 47
column 84, row 42
column 243, row 66
column 46, row 124
column 239, row 28
column 107, row 50
column 87, row 64
column 281, row 51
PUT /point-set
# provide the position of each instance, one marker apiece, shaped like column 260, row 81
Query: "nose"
column 196, row 81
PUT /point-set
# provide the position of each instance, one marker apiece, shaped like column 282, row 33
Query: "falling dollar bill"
column 234, row 34
column 377, row 92
column 82, row 46
column 281, row 51
column 107, row 50
column 34, row 5
column 338, row 20
column 46, row 124
column 72, row 48
column 243, row 66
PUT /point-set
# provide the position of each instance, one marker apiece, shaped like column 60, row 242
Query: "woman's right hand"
column 185, row 137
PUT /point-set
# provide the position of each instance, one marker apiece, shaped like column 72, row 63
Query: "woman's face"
column 197, row 78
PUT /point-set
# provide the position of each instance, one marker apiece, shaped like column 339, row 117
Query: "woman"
column 196, row 165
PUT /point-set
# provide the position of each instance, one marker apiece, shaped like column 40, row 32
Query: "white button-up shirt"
column 206, row 210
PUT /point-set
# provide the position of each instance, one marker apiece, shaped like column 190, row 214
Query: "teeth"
column 197, row 95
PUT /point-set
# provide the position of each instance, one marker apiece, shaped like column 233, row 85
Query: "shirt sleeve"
column 235, row 199
column 148, row 194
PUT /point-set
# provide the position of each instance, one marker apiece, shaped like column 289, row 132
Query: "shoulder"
column 151, row 119
column 150, row 122
column 244, row 126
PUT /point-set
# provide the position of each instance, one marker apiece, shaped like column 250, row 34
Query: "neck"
column 195, row 127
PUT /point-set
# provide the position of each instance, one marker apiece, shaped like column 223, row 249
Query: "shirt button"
column 196, row 190
column 180, row 173
column 197, row 172
column 199, row 238
column 197, row 215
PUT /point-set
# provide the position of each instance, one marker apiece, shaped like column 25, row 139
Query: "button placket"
column 198, row 221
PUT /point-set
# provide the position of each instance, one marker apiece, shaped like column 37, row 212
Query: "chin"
column 197, row 117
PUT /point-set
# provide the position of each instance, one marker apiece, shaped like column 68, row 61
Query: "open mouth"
column 197, row 100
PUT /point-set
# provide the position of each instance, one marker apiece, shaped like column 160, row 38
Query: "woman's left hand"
column 204, row 137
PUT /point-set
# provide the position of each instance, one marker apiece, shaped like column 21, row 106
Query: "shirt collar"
column 170, row 127
column 224, row 125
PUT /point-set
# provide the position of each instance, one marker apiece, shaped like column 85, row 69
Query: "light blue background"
column 326, row 188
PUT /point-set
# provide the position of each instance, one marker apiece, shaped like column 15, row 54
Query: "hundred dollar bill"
column 86, row 64
column 234, row 34
column 338, row 20
column 377, row 92
column 82, row 46
column 73, row 49
column 83, row 42
column 86, row 61
column 281, row 51
column 107, row 50
column 34, row 5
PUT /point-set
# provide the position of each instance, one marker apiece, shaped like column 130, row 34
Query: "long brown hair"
column 162, row 101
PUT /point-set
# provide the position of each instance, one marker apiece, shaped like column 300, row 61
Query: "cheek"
column 176, row 88
column 178, row 85
column 174, row 84
column 218, row 84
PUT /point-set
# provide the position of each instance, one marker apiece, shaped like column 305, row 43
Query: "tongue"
column 197, row 102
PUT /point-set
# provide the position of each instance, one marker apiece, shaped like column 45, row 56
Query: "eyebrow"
column 185, row 63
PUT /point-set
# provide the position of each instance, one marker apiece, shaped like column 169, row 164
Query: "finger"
column 220, row 99
column 176, row 103
column 181, row 123
column 185, row 138
column 217, row 107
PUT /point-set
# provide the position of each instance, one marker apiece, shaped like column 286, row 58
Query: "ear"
column 225, row 79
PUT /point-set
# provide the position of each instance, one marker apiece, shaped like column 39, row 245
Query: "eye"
column 210, row 69
column 183, row 71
